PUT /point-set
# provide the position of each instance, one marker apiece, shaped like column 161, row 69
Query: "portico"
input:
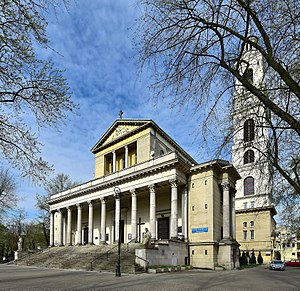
column 150, row 195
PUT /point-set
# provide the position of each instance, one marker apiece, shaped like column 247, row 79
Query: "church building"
column 255, row 225
column 144, row 179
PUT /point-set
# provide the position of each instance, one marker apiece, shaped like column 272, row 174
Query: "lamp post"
column 117, row 191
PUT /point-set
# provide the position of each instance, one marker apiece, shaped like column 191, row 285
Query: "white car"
column 277, row 265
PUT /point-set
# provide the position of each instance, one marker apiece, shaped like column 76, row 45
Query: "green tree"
column 243, row 259
column 252, row 258
column 59, row 183
column 3, row 242
column 34, row 237
column 196, row 49
column 33, row 92
column 260, row 259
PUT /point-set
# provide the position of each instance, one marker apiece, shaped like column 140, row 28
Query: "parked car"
column 277, row 265
column 293, row 263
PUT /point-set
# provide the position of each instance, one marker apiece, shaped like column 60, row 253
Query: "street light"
column 117, row 191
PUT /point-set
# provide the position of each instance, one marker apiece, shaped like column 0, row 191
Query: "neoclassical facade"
column 144, row 179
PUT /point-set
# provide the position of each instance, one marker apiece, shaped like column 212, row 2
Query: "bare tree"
column 8, row 197
column 59, row 183
column 32, row 91
column 196, row 49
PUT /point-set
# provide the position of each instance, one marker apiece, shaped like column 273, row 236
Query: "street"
column 260, row 278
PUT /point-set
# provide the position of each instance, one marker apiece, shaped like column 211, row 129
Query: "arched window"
column 249, row 157
column 249, row 75
column 249, row 130
column 249, row 186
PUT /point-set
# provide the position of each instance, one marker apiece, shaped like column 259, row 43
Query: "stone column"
column 117, row 218
column 184, row 213
column 114, row 161
column 69, row 223
column 226, row 210
column 64, row 228
column 91, row 223
column 79, row 227
column 103, row 221
column 59, row 228
column 233, row 220
column 51, row 229
column 152, row 211
column 174, row 210
column 126, row 157
column 133, row 215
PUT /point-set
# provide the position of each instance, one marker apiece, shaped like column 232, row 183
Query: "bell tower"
column 253, row 201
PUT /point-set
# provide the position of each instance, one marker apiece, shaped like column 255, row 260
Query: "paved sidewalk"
column 30, row 278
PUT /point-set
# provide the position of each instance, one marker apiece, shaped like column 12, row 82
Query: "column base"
column 103, row 243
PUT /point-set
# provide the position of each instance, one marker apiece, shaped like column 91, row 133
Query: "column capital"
column 151, row 187
column 103, row 199
column 226, row 186
column 78, row 205
column 90, row 202
column 58, row 210
column 133, row 192
column 173, row 182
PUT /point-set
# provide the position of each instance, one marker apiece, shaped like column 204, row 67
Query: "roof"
column 222, row 166
column 110, row 137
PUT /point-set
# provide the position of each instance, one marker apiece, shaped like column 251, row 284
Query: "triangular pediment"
column 119, row 129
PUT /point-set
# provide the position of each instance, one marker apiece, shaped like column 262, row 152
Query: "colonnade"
column 134, row 229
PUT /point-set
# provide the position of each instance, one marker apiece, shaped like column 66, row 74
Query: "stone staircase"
column 87, row 257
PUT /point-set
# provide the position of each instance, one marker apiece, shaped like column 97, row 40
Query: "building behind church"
column 188, row 207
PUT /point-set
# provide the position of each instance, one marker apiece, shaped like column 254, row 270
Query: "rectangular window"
column 245, row 205
column 132, row 154
column 252, row 234
column 245, row 234
column 120, row 159
column 108, row 163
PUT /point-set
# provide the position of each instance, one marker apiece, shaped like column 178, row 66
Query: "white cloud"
column 94, row 41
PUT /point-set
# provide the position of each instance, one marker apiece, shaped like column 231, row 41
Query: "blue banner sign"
column 200, row 229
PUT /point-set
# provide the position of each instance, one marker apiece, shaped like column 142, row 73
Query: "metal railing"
column 103, row 255
column 106, row 254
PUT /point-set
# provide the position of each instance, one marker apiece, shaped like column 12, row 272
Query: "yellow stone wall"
column 263, row 226
column 200, row 205
column 202, row 256
column 204, row 206
column 204, row 212
column 143, row 150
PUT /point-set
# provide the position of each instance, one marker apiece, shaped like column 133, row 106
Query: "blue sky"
column 94, row 41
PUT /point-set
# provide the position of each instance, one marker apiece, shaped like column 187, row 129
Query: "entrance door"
column 85, row 235
column 163, row 228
